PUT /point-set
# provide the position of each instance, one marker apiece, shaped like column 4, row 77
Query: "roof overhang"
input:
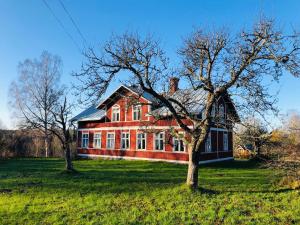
column 111, row 97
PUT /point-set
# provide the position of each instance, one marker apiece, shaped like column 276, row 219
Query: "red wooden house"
column 117, row 128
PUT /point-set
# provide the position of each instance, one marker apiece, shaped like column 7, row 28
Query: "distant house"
column 117, row 128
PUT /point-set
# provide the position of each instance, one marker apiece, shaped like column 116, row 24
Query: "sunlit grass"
column 36, row 191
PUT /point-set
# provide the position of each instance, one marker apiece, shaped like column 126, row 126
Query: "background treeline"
column 30, row 143
column 277, row 148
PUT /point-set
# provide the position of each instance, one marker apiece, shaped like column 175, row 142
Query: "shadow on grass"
column 115, row 176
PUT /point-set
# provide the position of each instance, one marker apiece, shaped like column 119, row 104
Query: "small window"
column 141, row 141
column 97, row 140
column 115, row 113
column 136, row 112
column 222, row 113
column 178, row 145
column 110, row 141
column 213, row 111
column 225, row 141
column 125, row 140
column 159, row 141
column 85, row 140
column 208, row 143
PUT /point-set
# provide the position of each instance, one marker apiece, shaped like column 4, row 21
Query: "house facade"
column 125, row 125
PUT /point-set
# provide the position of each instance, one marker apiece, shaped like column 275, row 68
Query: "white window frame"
column 213, row 111
column 115, row 107
column 225, row 142
column 181, row 143
column 208, row 147
column 136, row 110
column 113, row 143
column 163, row 139
column 137, row 140
column 222, row 114
column 125, row 138
column 83, row 139
column 94, row 140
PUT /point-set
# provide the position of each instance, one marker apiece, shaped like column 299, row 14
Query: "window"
column 213, row 111
column 136, row 112
column 97, row 140
column 141, row 141
column 115, row 113
column 110, row 141
column 208, row 143
column 225, row 141
column 159, row 141
column 125, row 140
column 222, row 113
column 85, row 140
column 178, row 145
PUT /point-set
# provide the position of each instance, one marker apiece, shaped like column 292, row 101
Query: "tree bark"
column 193, row 169
column 68, row 157
column 69, row 165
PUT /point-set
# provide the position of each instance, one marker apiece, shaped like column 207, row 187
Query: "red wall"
column 126, row 120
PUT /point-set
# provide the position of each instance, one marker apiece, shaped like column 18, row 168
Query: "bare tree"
column 35, row 92
column 253, row 132
column 215, row 62
column 61, row 128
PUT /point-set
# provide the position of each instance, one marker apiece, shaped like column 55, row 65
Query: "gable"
column 122, row 92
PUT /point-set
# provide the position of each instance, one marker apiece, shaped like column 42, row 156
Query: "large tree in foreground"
column 216, row 62
column 35, row 92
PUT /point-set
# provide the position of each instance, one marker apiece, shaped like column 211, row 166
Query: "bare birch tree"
column 35, row 92
column 217, row 62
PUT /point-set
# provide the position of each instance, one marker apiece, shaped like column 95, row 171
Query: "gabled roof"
column 90, row 114
column 135, row 90
column 193, row 101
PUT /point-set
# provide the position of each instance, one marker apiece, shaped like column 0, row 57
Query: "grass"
column 36, row 191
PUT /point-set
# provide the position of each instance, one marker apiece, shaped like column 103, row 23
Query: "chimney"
column 173, row 85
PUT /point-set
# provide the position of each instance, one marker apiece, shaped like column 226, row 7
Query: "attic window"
column 115, row 113
column 136, row 112
column 222, row 113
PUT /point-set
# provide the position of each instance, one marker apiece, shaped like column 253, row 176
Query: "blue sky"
column 27, row 28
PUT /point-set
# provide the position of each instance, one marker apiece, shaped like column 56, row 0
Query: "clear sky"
column 27, row 28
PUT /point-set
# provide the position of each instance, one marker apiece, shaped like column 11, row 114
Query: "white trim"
column 114, row 133
column 97, row 147
column 179, row 139
column 164, row 142
column 227, row 142
column 117, row 90
column 112, row 112
column 151, row 159
column 136, row 147
column 140, row 115
column 145, row 128
column 208, row 141
column 88, row 140
column 128, row 147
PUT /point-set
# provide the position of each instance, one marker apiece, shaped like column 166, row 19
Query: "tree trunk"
column 69, row 165
column 68, row 158
column 46, row 146
column 193, row 170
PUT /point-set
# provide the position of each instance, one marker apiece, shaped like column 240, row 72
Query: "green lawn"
column 35, row 191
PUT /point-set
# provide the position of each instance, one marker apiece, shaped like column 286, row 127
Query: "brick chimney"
column 173, row 85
